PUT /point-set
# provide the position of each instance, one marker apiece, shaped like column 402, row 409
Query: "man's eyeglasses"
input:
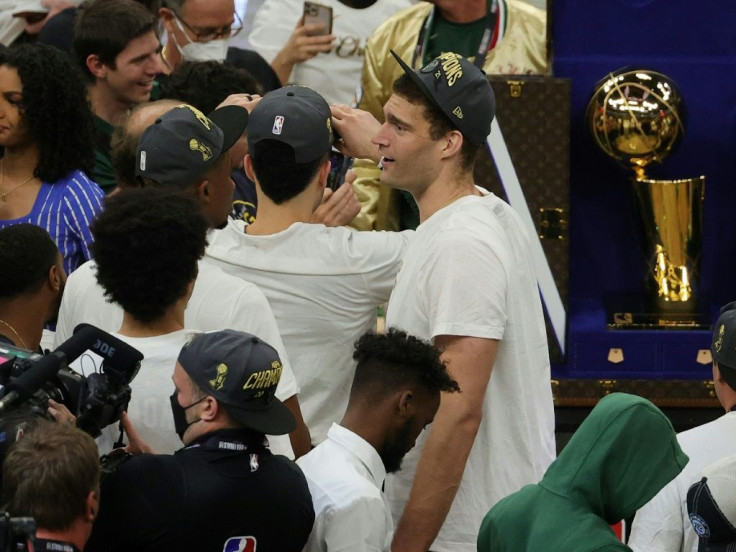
column 210, row 33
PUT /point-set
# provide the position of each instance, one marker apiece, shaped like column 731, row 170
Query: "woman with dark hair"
column 46, row 135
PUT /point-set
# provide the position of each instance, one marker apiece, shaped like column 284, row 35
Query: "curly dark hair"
column 205, row 84
column 386, row 361
column 55, row 108
column 147, row 244
column 27, row 252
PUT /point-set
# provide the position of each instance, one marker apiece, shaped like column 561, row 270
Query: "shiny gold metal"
column 555, row 390
column 634, row 116
column 710, row 388
column 552, row 223
column 515, row 88
column 672, row 214
column 608, row 386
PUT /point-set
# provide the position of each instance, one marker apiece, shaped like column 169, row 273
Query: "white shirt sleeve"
column 658, row 525
column 465, row 283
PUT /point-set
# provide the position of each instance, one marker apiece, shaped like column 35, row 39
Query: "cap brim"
column 274, row 420
column 232, row 120
column 418, row 81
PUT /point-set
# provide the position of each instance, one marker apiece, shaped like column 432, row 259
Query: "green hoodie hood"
column 617, row 460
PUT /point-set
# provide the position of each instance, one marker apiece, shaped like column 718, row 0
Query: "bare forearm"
column 282, row 66
column 300, row 439
column 436, row 483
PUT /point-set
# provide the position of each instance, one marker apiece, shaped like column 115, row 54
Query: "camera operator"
column 32, row 280
column 224, row 489
column 52, row 474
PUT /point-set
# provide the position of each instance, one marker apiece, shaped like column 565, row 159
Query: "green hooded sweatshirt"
column 616, row 461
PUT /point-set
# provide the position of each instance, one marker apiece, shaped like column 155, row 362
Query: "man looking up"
column 116, row 46
column 395, row 395
column 225, row 490
column 324, row 284
column 469, row 285
column 32, row 281
column 52, row 474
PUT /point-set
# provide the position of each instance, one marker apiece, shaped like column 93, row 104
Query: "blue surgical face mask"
column 214, row 50
column 180, row 415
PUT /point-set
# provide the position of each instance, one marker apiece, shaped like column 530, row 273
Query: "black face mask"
column 180, row 415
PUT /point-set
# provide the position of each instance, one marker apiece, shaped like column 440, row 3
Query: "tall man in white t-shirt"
column 324, row 284
column 468, row 284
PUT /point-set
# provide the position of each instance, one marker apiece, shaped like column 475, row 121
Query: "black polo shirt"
column 224, row 485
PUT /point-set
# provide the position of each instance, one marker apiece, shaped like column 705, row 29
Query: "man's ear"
column 453, row 142
column 54, row 278
column 167, row 18
column 96, row 67
column 322, row 174
column 717, row 373
column 202, row 191
column 248, row 166
column 92, row 505
column 210, row 409
column 405, row 405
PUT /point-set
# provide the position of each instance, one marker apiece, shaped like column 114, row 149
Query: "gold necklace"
column 3, row 194
column 12, row 329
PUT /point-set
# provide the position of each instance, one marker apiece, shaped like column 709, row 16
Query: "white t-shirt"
column 663, row 525
column 336, row 74
column 149, row 408
column 345, row 475
column 468, row 272
column 219, row 301
column 324, row 285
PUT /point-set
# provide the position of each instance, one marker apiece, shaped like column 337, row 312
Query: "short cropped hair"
column 146, row 246
column 27, row 253
column 388, row 361
column 205, row 84
column 48, row 474
column 439, row 123
column 280, row 178
column 55, row 109
column 105, row 27
column 124, row 144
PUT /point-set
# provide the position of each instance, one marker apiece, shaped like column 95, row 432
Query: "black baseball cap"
column 711, row 506
column 182, row 144
column 296, row 116
column 241, row 371
column 723, row 347
column 460, row 90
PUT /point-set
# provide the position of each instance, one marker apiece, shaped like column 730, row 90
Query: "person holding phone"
column 319, row 44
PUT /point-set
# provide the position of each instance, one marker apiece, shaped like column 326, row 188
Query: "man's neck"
column 461, row 11
column 171, row 321
column 77, row 534
column 23, row 321
column 105, row 106
column 446, row 189
column 274, row 218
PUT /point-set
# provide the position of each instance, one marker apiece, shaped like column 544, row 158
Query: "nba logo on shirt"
column 278, row 124
column 240, row 544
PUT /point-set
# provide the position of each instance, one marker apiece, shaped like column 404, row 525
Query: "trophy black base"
column 644, row 312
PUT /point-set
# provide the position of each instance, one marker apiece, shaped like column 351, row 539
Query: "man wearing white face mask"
column 200, row 30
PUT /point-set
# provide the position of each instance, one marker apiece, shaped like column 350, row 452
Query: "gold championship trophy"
column 635, row 118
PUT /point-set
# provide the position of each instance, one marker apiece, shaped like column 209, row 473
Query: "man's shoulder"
column 406, row 17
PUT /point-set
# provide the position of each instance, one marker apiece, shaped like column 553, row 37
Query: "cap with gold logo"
column 182, row 144
column 723, row 346
column 242, row 372
column 460, row 90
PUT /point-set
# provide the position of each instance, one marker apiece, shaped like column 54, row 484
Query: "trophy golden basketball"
column 635, row 117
